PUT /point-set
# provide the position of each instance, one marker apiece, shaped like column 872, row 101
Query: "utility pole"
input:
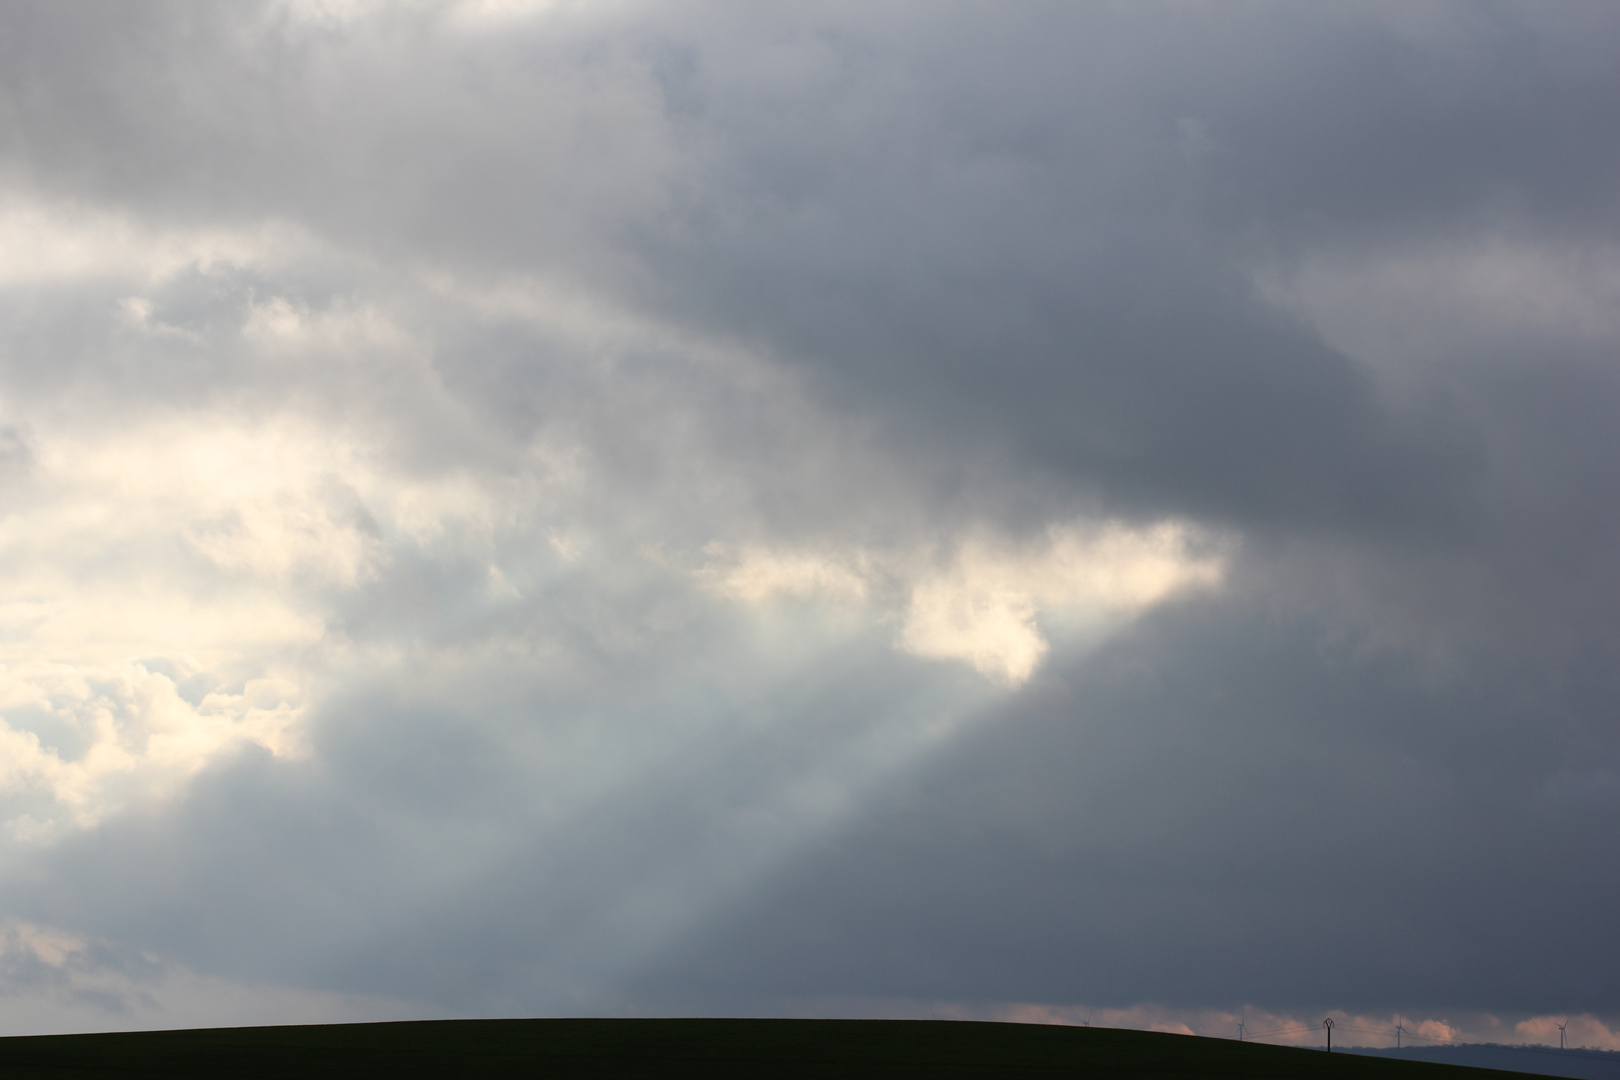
column 1328, row 1023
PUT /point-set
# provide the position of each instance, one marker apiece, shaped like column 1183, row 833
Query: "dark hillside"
column 710, row 1049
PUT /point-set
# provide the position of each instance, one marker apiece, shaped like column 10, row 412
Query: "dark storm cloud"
column 1219, row 808
column 1036, row 229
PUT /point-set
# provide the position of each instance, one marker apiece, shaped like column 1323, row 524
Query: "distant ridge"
column 713, row 1049
column 1544, row 1060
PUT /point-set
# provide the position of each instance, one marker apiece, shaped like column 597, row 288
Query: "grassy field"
column 683, row 1048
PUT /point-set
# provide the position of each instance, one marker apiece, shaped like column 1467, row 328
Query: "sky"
column 1072, row 512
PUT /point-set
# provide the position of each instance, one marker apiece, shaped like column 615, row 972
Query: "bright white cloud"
column 211, row 546
column 983, row 607
column 760, row 574
column 45, row 242
column 984, row 602
column 120, row 735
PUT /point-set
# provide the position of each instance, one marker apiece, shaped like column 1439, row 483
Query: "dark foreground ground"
column 710, row 1049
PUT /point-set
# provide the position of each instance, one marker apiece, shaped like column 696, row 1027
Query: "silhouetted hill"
column 706, row 1048
column 1544, row 1060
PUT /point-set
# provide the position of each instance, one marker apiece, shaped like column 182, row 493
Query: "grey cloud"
column 400, row 133
column 103, row 976
column 1051, row 261
column 869, row 276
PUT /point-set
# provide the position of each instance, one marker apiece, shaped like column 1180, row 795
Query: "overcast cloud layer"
column 1050, row 512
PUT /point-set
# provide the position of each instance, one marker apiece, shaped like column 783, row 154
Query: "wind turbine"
column 1561, row 1028
column 1399, row 1031
column 1241, row 1027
